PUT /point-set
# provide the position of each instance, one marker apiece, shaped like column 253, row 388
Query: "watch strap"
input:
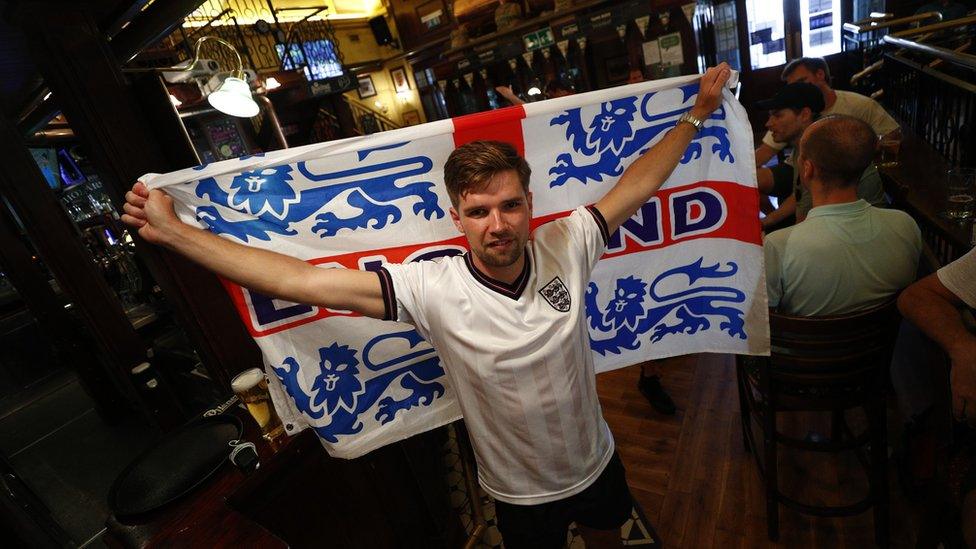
column 691, row 119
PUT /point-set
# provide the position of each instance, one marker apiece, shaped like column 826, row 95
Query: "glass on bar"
column 252, row 388
column 960, row 194
column 888, row 147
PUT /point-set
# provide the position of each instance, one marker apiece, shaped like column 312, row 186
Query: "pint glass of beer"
column 252, row 388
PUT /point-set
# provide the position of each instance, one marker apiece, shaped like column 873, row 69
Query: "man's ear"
column 807, row 114
column 528, row 200
column 456, row 219
column 808, row 170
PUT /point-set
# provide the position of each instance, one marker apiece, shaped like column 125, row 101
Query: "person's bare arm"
column 785, row 210
column 276, row 275
column 763, row 154
column 764, row 180
column 646, row 175
column 507, row 93
column 930, row 306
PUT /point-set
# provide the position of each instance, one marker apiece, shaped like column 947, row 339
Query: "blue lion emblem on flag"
column 271, row 203
column 611, row 137
column 626, row 318
column 339, row 393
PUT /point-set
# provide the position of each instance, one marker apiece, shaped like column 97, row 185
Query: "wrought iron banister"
column 957, row 58
column 888, row 23
column 369, row 120
column 961, row 22
column 940, row 108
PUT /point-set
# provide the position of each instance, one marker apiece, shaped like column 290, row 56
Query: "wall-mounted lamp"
column 233, row 96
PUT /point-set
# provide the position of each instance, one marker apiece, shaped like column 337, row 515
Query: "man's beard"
column 502, row 259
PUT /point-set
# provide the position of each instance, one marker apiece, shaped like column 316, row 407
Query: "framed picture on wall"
column 400, row 82
column 366, row 88
column 411, row 118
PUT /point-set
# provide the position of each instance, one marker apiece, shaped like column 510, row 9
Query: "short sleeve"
column 772, row 143
column 405, row 293
column 774, row 265
column 879, row 119
column 593, row 232
column 586, row 231
column 959, row 277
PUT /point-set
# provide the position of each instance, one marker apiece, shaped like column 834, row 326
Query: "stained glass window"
column 322, row 59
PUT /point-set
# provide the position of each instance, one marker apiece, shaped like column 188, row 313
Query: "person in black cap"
column 791, row 111
column 814, row 70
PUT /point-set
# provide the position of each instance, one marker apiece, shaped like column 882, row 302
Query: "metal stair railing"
column 369, row 120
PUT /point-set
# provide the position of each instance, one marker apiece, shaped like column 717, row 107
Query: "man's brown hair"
column 812, row 64
column 472, row 165
column 841, row 147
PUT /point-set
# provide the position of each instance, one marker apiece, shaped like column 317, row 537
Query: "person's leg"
column 650, row 386
column 532, row 526
column 968, row 511
column 600, row 539
column 601, row 509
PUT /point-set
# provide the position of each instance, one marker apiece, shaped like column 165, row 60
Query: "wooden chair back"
column 844, row 352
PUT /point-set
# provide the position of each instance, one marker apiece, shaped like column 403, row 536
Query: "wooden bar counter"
column 918, row 185
column 300, row 497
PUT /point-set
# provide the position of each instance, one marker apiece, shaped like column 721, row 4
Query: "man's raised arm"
column 646, row 175
column 277, row 275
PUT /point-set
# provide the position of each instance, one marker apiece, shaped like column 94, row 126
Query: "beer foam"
column 245, row 380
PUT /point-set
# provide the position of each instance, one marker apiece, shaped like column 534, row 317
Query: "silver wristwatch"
column 694, row 121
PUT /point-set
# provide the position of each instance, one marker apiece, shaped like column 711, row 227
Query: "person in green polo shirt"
column 847, row 255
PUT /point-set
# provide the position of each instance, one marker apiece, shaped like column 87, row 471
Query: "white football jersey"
column 518, row 356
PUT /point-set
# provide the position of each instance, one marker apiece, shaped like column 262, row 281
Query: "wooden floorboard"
column 698, row 486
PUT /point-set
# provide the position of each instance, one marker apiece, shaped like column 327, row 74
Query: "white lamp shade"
column 233, row 97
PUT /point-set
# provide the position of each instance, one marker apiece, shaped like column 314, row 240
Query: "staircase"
column 367, row 119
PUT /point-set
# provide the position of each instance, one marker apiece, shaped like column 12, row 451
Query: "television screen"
column 322, row 59
column 47, row 161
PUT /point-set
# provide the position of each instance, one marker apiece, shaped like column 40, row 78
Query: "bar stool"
column 822, row 364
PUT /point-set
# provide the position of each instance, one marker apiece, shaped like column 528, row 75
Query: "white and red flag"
column 683, row 275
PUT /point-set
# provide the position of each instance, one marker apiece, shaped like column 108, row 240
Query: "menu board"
column 225, row 138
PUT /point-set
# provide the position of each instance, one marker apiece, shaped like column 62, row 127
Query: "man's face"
column 496, row 220
column 787, row 125
column 803, row 74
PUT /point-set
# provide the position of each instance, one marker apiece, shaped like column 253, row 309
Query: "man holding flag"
column 506, row 319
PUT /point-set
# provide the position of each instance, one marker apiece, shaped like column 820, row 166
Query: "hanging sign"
column 642, row 23
column 563, row 47
column 671, row 54
column 329, row 86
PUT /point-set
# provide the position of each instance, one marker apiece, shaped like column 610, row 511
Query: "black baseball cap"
column 795, row 96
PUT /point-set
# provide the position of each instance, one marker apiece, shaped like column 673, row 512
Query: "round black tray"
column 174, row 466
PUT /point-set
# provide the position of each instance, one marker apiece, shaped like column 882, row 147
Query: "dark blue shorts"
column 603, row 505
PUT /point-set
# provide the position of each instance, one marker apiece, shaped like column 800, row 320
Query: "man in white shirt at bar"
column 507, row 320
column 791, row 111
column 814, row 70
column 777, row 180
column 932, row 304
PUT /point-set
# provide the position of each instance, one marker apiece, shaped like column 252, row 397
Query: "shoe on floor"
column 650, row 387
